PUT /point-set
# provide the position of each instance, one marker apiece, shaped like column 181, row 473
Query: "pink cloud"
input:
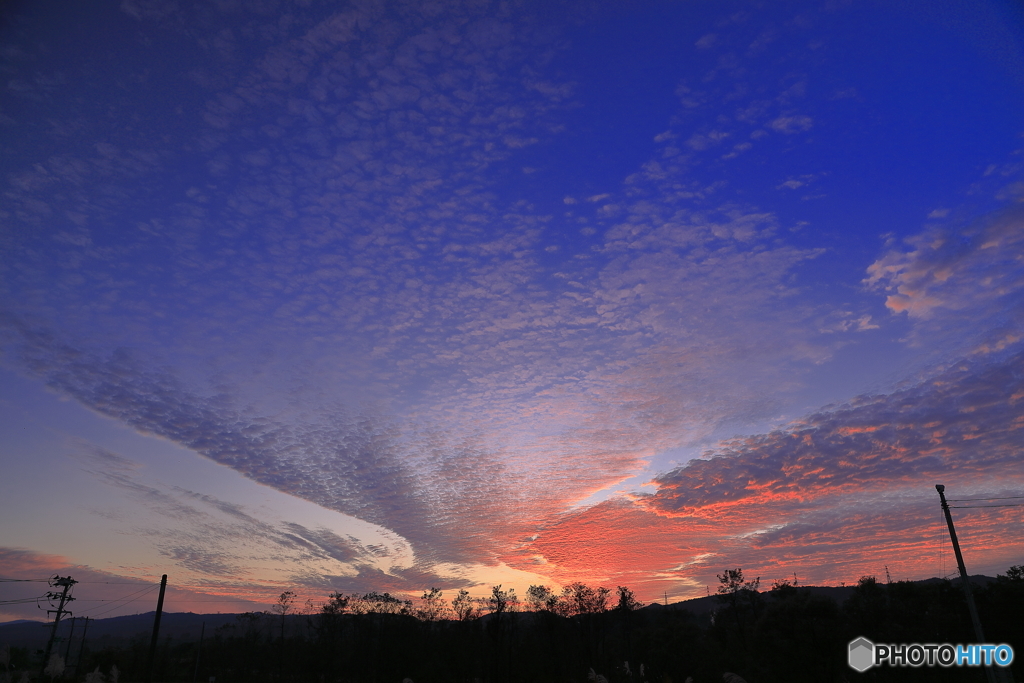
column 840, row 494
column 967, row 275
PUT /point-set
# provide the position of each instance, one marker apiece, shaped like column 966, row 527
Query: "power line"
column 228, row 600
column 100, row 599
column 123, row 583
column 185, row 600
column 96, row 615
column 110, row 583
column 971, row 507
column 21, row 601
column 125, row 600
column 964, row 500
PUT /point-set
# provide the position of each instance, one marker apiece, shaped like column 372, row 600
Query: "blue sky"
column 354, row 296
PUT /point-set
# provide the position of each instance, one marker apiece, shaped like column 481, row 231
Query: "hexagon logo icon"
column 862, row 654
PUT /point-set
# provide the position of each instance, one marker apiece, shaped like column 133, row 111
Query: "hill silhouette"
column 788, row 634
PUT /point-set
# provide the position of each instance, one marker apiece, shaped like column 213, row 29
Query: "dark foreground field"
column 786, row 635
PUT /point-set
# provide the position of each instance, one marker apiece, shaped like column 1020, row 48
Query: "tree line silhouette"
column 785, row 634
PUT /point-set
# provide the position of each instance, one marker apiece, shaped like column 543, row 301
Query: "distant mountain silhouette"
column 186, row 625
column 178, row 625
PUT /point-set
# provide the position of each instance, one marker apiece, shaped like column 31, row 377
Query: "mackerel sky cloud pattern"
column 467, row 293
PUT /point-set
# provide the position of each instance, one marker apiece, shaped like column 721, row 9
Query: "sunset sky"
column 386, row 295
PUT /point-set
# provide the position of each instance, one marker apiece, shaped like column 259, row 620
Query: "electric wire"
column 125, row 600
column 971, row 507
column 117, row 602
column 964, row 500
column 120, row 599
column 100, row 599
column 122, row 603
column 225, row 601
column 125, row 583
column 111, row 583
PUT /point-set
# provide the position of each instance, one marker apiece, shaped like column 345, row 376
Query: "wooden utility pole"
column 156, row 629
column 81, row 645
column 990, row 673
column 71, row 635
column 199, row 652
column 66, row 583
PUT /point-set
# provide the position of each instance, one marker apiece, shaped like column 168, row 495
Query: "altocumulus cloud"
column 838, row 494
column 960, row 279
column 338, row 194
column 965, row 422
column 847, row 489
column 353, row 461
column 305, row 263
column 223, row 543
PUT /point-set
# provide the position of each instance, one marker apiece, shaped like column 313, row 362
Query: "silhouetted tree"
column 501, row 601
column 380, row 603
column 627, row 601
column 464, row 606
column 435, row 607
column 792, row 635
column 538, row 597
column 580, row 598
column 742, row 600
column 282, row 607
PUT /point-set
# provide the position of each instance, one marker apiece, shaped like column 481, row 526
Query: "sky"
column 353, row 296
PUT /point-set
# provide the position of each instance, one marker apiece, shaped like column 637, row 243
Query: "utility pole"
column 199, row 652
column 71, row 635
column 66, row 583
column 990, row 673
column 156, row 629
column 81, row 645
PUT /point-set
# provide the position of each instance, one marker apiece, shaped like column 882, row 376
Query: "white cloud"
column 792, row 124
